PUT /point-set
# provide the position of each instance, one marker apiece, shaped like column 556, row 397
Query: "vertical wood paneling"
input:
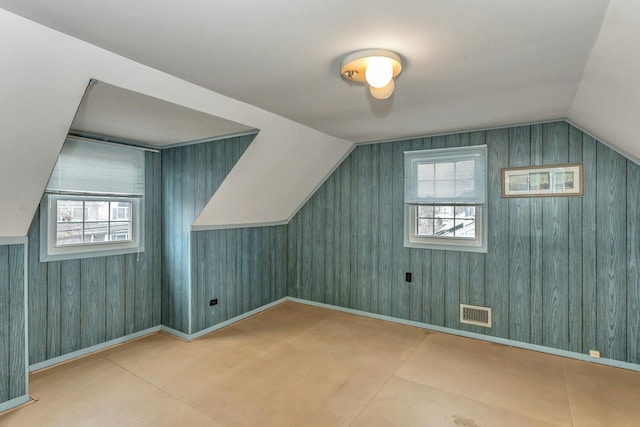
column 73, row 305
column 53, row 309
column 307, row 254
column 574, row 263
column 589, row 246
column 115, row 302
column 190, row 176
column 497, row 269
column 374, row 228
column 253, row 275
column 37, row 279
column 131, row 262
column 330, row 239
column 555, row 245
column 452, row 273
column 5, row 321
column 560, row 271
column 17, row 332
column 537, row 330
column 318, row 266
column 346, row 238
column 362, row 297
column 92, row 301
column 70, row 312
column 612, row 245
column 519, row 243
column 400, row 255
column 633, row 262
column 12, row 326
column 385, row 274
column 156, row 232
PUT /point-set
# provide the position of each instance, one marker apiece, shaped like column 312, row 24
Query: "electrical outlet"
column 213, row 302
column 594, row 353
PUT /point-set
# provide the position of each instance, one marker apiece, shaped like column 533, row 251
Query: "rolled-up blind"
column 98, row 168
column 446, row 175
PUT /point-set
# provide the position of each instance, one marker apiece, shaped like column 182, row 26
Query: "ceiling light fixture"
column 377, row 67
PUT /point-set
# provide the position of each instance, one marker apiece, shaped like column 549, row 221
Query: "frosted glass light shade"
column 376, row 67
column 379, row 71
column 383, row 92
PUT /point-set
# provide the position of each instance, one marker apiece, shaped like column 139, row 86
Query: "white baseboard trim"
column 187, row 337
column 190, row 337
column 13, row 403
column 497, row 340
column 176, row 333
column 85, row 351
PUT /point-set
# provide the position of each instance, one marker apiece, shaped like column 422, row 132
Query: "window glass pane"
column 425, row 227
column 445, row 189
column 425, row 211
column 464, row 188
column 443, row 227
column 443, row 211
column 466, row 228
column 96, row 211
column 426, row 189
column 445, row 171
column 425, row 171
column 69, row 210
column 68, row 233
column 465, row 169
column 120, row 231
column 95, row 232
column 120, row 211
column 446, row 221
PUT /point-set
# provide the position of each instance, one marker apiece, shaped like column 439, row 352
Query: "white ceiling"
column 273, row 66
column 467, row 64
column 110, row 111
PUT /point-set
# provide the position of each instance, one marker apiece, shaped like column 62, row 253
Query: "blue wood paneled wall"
column 190, row 176
column 78, row 303
column 12, row 326
column 560, row 272
column 244, row 268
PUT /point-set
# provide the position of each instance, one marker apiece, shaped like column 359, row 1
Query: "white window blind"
column 445, row 176
column 97, row 168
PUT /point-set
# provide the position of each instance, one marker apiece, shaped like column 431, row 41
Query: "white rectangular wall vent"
column 474, row 315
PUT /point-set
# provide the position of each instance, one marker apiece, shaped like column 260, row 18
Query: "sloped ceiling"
column 608, row 100
column 115, row 113
column 467, row 66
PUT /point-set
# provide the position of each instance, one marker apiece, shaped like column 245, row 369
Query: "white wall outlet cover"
column 594, row 353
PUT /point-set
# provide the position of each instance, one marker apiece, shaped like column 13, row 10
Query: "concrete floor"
column 298, row 365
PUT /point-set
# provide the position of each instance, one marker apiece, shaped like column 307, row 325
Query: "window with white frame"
column 445, row 196
column 93, row 202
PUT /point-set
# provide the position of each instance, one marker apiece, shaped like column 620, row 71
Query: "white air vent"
column 474, row 315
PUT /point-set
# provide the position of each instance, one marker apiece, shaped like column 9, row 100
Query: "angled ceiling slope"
column 42, row 83
column 120, row 114
column 608, row 101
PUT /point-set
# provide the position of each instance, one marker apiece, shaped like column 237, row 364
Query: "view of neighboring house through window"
column 90, row 221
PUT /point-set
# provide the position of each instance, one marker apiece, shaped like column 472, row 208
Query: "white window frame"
column 50, row 251
column 413, row 240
